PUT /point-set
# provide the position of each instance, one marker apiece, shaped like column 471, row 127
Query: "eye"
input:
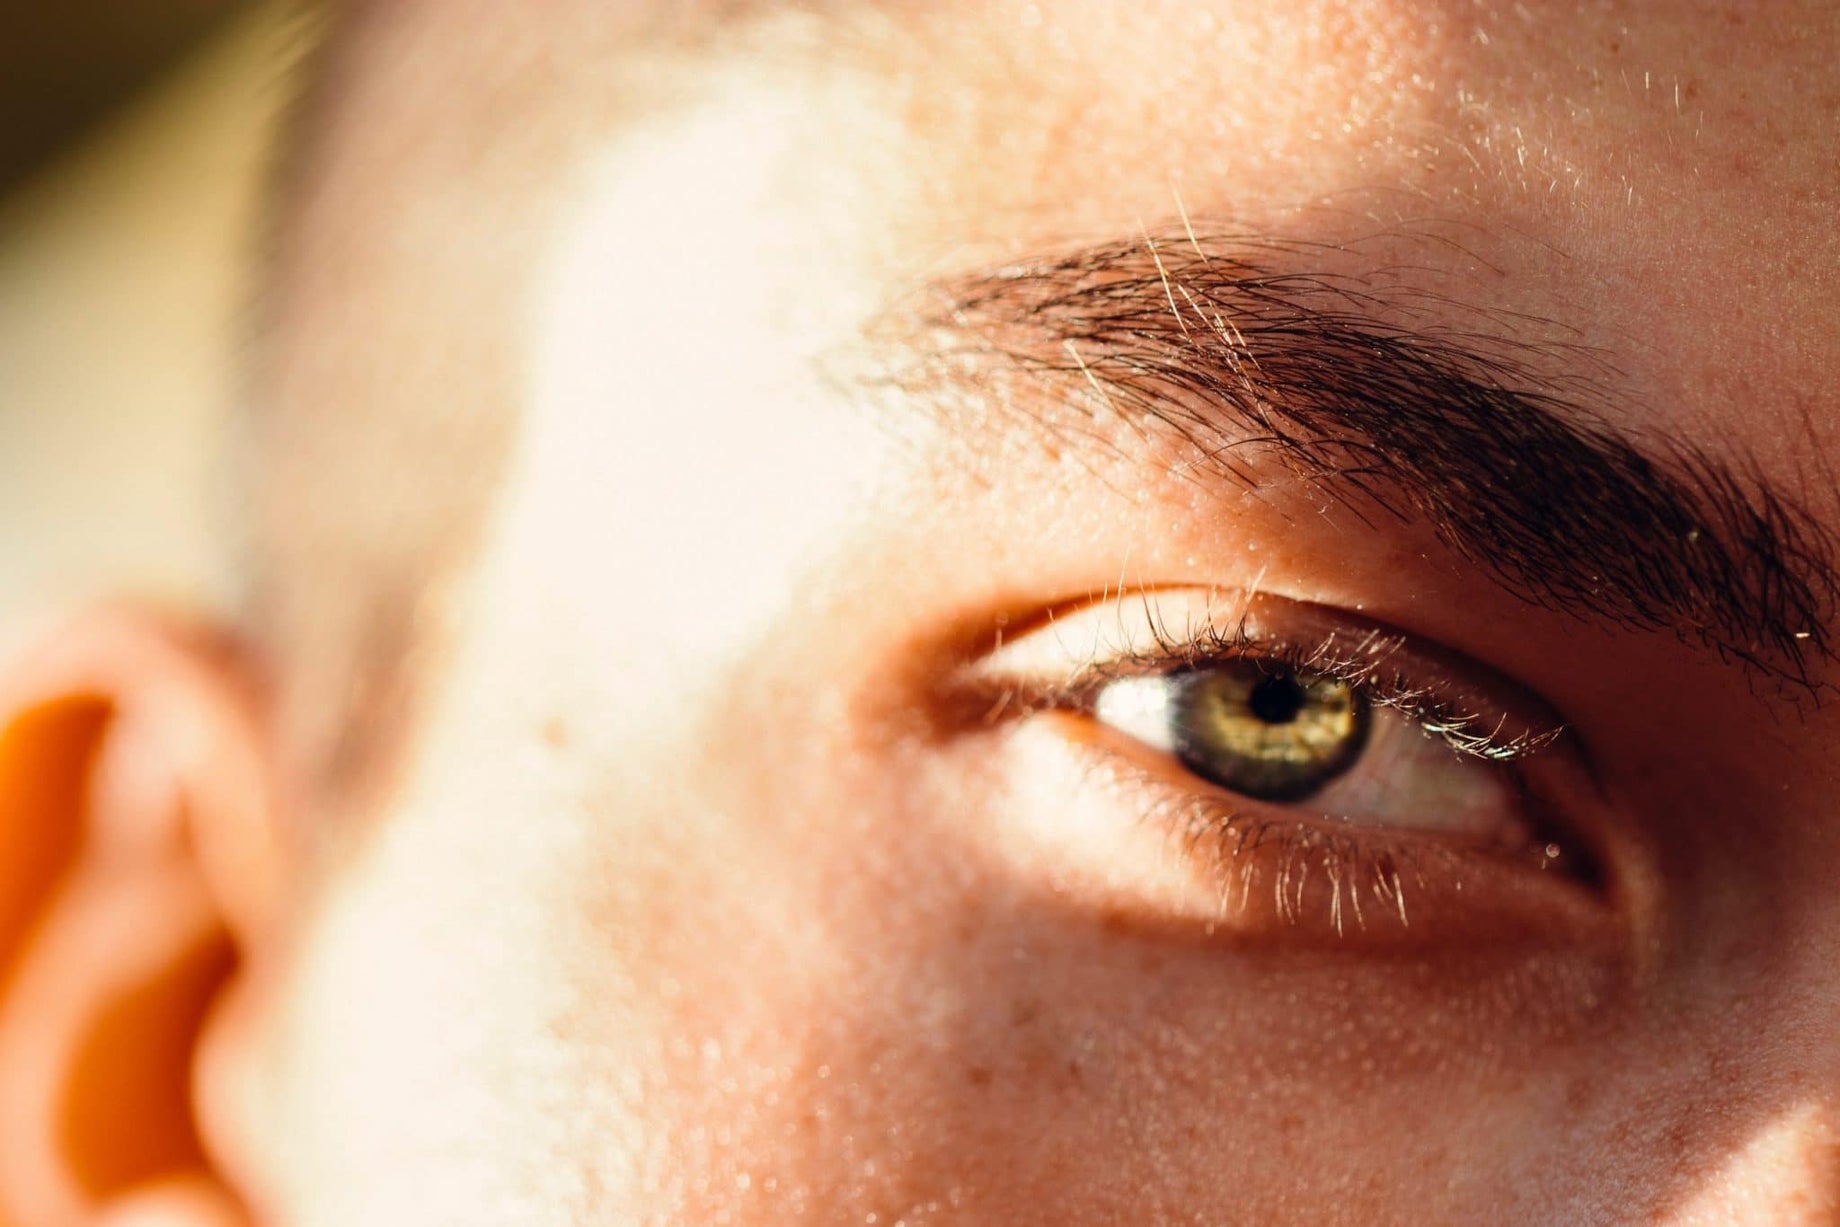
column 1303, row 741
column 1306, row 772
column 1260, row 729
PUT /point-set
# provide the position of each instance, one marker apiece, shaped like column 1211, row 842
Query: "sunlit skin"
column 701, row 892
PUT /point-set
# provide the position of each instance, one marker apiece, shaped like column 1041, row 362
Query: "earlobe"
column 137, row 863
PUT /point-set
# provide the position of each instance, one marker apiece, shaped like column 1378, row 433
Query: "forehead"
column 1606, row 160
column 1563, row 106
column 1657, row 177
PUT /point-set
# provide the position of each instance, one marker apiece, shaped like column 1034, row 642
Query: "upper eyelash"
column 1361, row 665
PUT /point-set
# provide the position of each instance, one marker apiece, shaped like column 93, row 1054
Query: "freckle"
column 1022, row 1013
column 556, row 732
column 979, row 1075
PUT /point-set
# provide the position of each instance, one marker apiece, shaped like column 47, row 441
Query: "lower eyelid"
column 1232, row 869
column 1445, row 792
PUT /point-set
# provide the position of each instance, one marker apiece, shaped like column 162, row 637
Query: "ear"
column 137, row 862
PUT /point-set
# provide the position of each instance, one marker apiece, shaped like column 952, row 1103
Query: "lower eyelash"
column 1369, row 874
column 1314, row 873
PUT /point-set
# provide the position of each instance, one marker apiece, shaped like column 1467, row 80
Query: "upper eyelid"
column 1498, row 738
column 1471, row 707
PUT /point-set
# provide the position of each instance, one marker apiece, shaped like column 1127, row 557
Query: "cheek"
column 771, row 966
column 876, row 1016
column 788, row 976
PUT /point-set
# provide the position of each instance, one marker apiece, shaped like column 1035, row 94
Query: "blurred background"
column 133, row 139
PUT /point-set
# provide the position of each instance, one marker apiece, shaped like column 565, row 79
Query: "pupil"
column 1276, row 700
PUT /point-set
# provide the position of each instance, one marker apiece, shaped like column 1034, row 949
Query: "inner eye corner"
column 1562, row 846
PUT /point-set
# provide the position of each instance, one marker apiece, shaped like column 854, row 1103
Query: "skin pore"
column 759, row 845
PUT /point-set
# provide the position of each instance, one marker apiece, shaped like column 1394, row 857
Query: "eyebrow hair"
column 1366, row 388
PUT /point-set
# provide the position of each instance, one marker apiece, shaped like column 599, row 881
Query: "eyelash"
column 1362, row 667
column 1232, row 838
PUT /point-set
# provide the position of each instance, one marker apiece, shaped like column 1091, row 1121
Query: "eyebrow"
column 1400, row 403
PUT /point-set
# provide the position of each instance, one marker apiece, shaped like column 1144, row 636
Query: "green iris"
column 1265, row 730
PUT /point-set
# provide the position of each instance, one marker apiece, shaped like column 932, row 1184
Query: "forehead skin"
column 675, row 919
